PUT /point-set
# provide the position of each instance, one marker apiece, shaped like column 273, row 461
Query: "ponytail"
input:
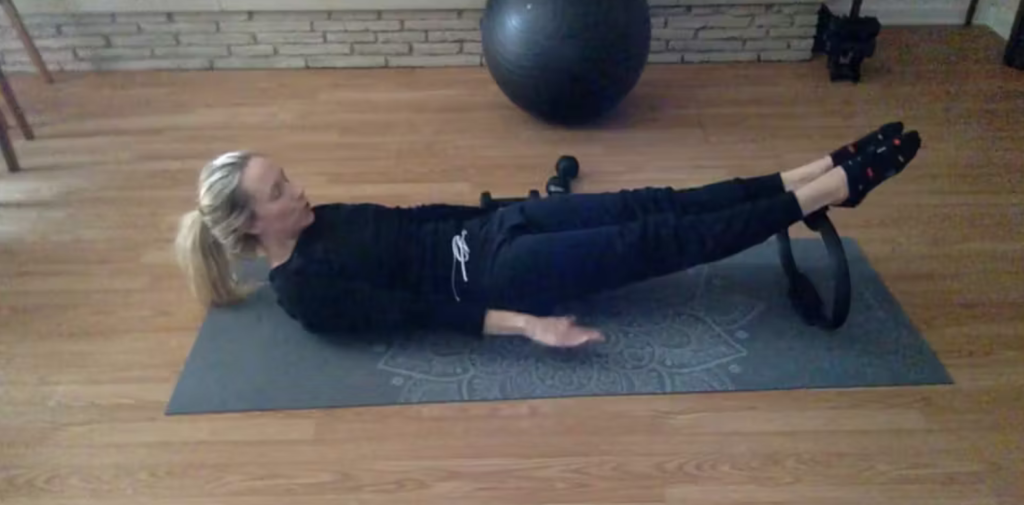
column 206, row 263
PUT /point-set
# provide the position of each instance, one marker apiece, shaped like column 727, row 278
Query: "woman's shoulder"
column 349, row 207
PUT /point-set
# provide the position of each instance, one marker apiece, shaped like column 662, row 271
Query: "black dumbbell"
column 566, row 169
column 488, row 201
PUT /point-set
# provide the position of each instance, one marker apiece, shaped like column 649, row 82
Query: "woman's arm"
column 551, row 331
column 325, row 304
column 504, row 323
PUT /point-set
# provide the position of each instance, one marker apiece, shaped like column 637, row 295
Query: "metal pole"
column 855, row 10
column 1014, row 56
column 970, row 13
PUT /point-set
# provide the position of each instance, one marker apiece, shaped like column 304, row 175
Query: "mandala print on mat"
column 672, row 334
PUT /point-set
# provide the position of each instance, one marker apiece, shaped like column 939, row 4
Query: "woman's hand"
column 549, row 331
column 560, row 332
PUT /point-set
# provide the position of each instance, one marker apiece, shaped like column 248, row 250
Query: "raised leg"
column 537, row 272
column 585, row 211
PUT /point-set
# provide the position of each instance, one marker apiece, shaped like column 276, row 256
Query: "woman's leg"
column 584, row 211
column 797, row 178
column 535, row 272
column 595, row 210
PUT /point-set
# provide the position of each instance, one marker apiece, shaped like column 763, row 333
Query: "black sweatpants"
column 540, row 253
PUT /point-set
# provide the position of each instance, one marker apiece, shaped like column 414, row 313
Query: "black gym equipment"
column 846, row 40
column 804, row 297
column 566, row 61
column 567, row 168
column 1013, row 57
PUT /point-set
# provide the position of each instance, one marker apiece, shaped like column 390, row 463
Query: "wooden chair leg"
column 12, row 14
column 7, row 147
column 12, row 102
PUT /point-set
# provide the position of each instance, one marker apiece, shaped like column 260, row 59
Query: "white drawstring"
column 460, row 254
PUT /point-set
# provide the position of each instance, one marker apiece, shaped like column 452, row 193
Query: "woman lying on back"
column 340, row 268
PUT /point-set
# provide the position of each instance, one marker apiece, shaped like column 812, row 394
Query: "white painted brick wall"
column 313, row 49
column 113, row 53
column 347, row 61
column 375, row 49
column 436, row 48
column 456, row 60
column 192, row 51
column 142, row 17
column 355, row 16
column 402, row 37
column 290, row 38
column 180, row 27
column 461, row 36
column 665, row 58
column 357, row 26
column 442, row 24
column 265, row 26
column 238, row 62
column 352, row 36
column 720, row 57
column 291, row 16
column 193, row 17
column 404, row 15
column 158, row 40
column 255, row 50
column 217, row 39
column 367, row 39
column 100, row 29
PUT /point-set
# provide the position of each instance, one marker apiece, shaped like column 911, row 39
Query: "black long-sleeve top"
column 365, row 267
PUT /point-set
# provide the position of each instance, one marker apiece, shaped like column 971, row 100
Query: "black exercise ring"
column 802, row 293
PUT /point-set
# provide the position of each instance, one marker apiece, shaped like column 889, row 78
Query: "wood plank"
column 95, row 322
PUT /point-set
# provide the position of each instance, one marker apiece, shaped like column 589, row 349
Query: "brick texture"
column 290, row 38
column 314, row 49
column 255, row 50
column 347, row 62
column 192, row 51
column 236, row 62
column 208, row 27
column 402, row 37
column 681, row 33
column 353, row 36
column 435, row 48
column 456, row 60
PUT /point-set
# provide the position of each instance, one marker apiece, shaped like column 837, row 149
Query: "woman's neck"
column 279, row 251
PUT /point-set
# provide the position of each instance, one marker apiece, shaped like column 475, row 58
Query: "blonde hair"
column 213, row 235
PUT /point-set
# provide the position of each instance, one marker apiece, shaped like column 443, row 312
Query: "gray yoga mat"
column 726, row 326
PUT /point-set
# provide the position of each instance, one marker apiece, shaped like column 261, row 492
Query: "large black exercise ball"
column 566, row 61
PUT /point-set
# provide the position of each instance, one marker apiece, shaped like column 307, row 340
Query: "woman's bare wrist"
column 507, row 323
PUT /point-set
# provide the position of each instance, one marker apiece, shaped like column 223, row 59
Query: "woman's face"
column 280, row 207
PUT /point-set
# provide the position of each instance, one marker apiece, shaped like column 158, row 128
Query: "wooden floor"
column 95, row 323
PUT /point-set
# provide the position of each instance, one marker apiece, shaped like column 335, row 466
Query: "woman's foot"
column 799, row 177
column 871, row 168
column 884, row 133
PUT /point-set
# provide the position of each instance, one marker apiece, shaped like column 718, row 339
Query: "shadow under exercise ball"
column 566, row 61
